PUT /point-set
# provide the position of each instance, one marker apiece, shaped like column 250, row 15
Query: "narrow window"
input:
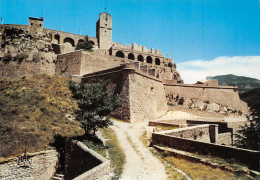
column 106, row 17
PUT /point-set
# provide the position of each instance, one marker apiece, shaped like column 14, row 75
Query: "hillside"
column 32, row 112
column 244, row 83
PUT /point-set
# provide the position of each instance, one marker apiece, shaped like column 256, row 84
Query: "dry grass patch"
column 201, row 171
column 32, row 112
column 116, row 153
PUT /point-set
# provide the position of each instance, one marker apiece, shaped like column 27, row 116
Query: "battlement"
column 135, row 47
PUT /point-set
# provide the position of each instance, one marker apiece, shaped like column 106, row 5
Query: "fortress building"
column 145, row 80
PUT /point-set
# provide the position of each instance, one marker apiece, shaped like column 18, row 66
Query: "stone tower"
column 35, row 25
column 104, row 31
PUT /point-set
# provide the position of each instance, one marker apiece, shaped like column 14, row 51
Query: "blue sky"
column 190, row 30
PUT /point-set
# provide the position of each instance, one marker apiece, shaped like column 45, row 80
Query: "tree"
column 85, row 44
column 95, row 103
column 248, row 136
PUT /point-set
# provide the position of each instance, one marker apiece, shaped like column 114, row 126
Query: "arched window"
column 131, row 56
column 120, row 54
column 92, row 43
column 81, row 41
column 57, row 39
column 170, row 64
column 68, row 41
column 157, row 61
column 140, row 58
column 149, row 59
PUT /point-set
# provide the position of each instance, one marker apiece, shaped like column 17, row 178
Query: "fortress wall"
column 92, row 63
column 225, row 96
column 84, row 163
column 15, row 70
column 119, row 84
column 147, row 97
column 68, row 64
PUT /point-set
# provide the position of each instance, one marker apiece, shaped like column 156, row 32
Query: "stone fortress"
column 146, row 81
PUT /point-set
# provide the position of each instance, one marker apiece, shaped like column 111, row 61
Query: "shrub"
column 85, row 44
column 95, row 103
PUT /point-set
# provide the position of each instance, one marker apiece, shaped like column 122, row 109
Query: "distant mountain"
column 244, row 83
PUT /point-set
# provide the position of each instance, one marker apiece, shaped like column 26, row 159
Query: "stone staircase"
column 57, row 177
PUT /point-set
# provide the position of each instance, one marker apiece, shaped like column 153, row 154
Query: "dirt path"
column 140, row 162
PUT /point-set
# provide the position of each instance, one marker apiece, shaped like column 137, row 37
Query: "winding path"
column 140, row 162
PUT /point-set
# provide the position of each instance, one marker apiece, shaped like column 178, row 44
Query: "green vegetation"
column 248, row 136
column 252, row 98
column 116, row 154
column 95, row 144
column 32, row 112
column 84, row 45
column 244, row 83
column 95, row 103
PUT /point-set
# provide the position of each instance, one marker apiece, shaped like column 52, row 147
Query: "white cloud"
column 192, row 71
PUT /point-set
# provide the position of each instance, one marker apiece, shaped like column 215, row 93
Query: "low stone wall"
column 199, row 133
column 43, row 166
column 248, row 157
column 84, row 163
column 225, row 139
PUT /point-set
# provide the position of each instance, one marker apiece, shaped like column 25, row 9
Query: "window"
column 106, row 17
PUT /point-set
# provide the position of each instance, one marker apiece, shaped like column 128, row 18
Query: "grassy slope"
column 33, row 111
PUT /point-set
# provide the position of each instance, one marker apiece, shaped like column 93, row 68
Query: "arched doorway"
column 131, row 56
column 149, row 59
column 120, row 54
column 57, row 39
column 140, row 58
column 157, row 61
column 69, row 42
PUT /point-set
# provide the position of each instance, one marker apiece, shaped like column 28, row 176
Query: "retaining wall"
column 248, row 157
column 227, row 96
column 43, row 166
column 84, row 163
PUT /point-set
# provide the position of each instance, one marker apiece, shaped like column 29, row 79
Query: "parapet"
column 135, row 47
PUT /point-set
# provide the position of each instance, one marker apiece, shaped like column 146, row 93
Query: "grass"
column 32, row 112
column 171, row 172
column 95, row 144
column 201, row 171
column 116, row 154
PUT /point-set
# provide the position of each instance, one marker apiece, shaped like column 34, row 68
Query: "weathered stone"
column 213, row 107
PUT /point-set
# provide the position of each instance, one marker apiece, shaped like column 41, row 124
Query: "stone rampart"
column 248, row 157
column 43, row 166
column 16, row 70
column 84, row 163
column 119, row 85
column 83, row 62
column 142, row 95
column 222, row 95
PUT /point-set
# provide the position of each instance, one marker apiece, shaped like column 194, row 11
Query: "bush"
column 85, row 44
column 95, row 103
